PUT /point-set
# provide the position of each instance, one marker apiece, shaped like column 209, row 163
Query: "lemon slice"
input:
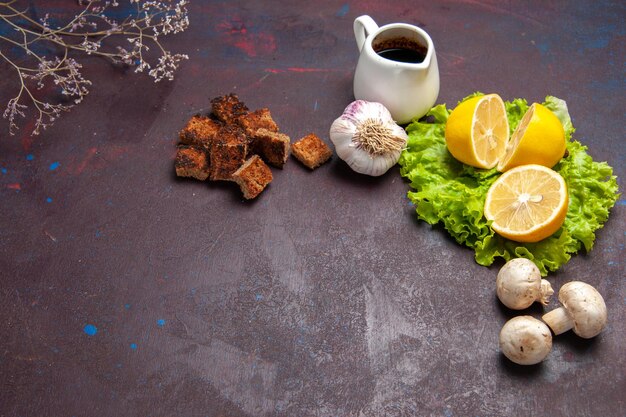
column 538, row 139
column 477, row 131
column 527, row 203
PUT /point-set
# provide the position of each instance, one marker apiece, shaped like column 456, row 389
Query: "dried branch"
column 39, row 51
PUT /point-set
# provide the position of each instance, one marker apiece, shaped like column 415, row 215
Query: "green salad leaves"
column 453, row 194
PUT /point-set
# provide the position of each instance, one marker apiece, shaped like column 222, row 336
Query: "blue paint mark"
column 98, row 233
column 90, row 329
column 133, row 346
column 49, row 200
column 193, row 291
column 543, row 47
column 161, row 322
column 621, row 203
column 258, row 297
column 343, row 10
column 54, row 166
column 447, row 412
column 607, row 85
column 598, row 43
column 127, row 306
column 4, row 171
column 600, row 37
column 30, row 157
column 611, row 263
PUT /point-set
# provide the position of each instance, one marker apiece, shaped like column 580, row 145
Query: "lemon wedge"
column 538, row 139
column 477, row 131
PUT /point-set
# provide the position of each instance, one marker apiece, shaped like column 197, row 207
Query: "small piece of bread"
column 191, row 161
column 273, row 147
column 253, row 176
column 199, row 131
column 311, row 151
column 228, row 152
column 228, row 108
column 258, row 119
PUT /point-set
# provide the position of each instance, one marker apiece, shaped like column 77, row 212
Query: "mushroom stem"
column 558, row 320
column 546, row 292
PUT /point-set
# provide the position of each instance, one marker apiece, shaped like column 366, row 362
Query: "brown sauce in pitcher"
column 400, row 50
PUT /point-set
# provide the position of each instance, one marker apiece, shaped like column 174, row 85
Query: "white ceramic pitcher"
column 408, row 90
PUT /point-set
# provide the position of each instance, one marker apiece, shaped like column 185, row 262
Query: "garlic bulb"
column 367, row 138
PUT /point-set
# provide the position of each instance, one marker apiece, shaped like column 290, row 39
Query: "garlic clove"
column 343, row 130
column 361, row 162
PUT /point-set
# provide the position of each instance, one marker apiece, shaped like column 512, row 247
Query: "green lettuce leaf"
column 447, row 192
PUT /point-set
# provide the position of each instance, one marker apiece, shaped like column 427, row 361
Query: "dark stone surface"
column 325, row 296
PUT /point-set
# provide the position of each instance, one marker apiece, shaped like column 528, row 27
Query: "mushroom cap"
column 519, row 284
column 525, row 340
column 585, row 306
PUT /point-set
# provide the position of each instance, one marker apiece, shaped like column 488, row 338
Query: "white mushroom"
column 525, row 340
column 583, row 310
column 519, row 284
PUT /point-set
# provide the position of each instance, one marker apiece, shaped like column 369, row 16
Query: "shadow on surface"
column 520, row 371
column 536, row 309
column 229, row 187
column 342, row 171
column 575, row 343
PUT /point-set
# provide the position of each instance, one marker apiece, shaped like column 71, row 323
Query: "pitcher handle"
column 363, row 26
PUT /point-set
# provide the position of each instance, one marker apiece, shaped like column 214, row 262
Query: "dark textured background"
column 325, row 297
